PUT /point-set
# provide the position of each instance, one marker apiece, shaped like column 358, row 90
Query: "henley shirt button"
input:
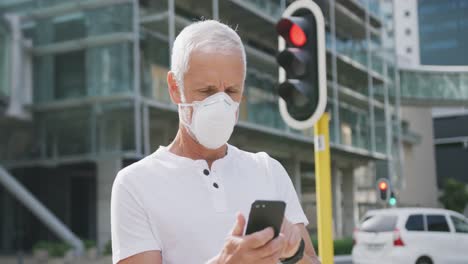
column 206, row 172
column 215, row 185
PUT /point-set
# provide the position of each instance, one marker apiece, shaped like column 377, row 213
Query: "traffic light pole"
column 323, row 189
column 302, row 99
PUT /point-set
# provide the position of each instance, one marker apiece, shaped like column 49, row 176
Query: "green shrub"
column 58, row 249
column 89, row 244
column 108, row 248
column 55, row 249
column 343, row 246
column 340, row 246
column 41, row 245
column 454, row 196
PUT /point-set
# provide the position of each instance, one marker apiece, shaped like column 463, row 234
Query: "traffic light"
column 392, row 200
column 301, row 57
column 383, row 187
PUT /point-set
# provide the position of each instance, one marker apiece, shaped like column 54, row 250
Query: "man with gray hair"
column 186, row 202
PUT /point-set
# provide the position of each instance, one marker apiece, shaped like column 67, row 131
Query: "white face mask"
column 212, row 120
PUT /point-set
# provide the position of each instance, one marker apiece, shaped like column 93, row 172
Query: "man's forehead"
column 199, row 81
column 209, row 67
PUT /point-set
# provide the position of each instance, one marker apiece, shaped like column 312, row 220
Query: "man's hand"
column 258, row 248
column 292, row 234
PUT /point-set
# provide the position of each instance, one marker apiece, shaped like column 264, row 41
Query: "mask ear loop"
column 237, row 105
column 184, row 115
column 182, row 111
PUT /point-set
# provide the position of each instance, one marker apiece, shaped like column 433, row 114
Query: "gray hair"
column 204, row 35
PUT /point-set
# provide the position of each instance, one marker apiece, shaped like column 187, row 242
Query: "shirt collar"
column 164, row 152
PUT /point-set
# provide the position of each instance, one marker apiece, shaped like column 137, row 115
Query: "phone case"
column 265, row 214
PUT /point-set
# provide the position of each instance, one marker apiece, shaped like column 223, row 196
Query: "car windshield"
column 461, row 225
column 379, row 223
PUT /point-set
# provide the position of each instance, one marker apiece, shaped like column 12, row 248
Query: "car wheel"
column 424, row 260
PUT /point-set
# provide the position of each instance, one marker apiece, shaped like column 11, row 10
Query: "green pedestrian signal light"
column 392, row 201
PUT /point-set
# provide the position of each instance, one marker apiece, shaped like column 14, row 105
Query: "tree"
column 455, row 195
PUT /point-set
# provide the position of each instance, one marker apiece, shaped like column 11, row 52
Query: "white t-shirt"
column 178, row 206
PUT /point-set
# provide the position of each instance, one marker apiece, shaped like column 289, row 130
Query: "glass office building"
column 100, row 102
column 443, row 32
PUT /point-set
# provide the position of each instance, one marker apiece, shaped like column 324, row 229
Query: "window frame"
column 447, row 221
column 424, row 222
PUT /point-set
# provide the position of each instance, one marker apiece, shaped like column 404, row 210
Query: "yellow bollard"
column 323, row 189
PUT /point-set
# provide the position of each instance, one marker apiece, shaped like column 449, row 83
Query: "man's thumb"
column 238, row 229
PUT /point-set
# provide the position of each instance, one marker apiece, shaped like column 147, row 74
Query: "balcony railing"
column 272, row 8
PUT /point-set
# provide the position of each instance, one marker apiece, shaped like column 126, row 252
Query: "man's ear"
column 173, row 88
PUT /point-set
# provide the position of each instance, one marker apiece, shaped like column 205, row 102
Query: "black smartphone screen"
column 265, row 214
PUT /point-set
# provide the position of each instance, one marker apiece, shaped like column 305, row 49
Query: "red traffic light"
column 297, row 36
column 293, row 30
column 383, row 186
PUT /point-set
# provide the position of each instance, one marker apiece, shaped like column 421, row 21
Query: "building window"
column 409, row 50
column 69, row 67
column 70, row 75
column 407, row 13
column 408, row 31
column 390, row 33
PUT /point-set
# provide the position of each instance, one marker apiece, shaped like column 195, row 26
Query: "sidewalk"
column 343, row 259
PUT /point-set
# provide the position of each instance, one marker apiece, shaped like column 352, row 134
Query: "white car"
column 411, row 235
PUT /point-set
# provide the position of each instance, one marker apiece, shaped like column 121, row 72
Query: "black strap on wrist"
column 296, row 257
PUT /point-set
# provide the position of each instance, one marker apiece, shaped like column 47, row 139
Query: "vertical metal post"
column 55, row 152
column 215, row 9
column 323, row 189
column 396, row 73
column 388, row 126
column 42, row 136
column 146, row 130
column 171, row 22
column 336, row 106
column 93, row 130
column 136, row 76
column 401, row 181
column 369, row 79
column 337, row 198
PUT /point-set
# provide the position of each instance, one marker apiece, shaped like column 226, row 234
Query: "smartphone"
column 265, row 214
